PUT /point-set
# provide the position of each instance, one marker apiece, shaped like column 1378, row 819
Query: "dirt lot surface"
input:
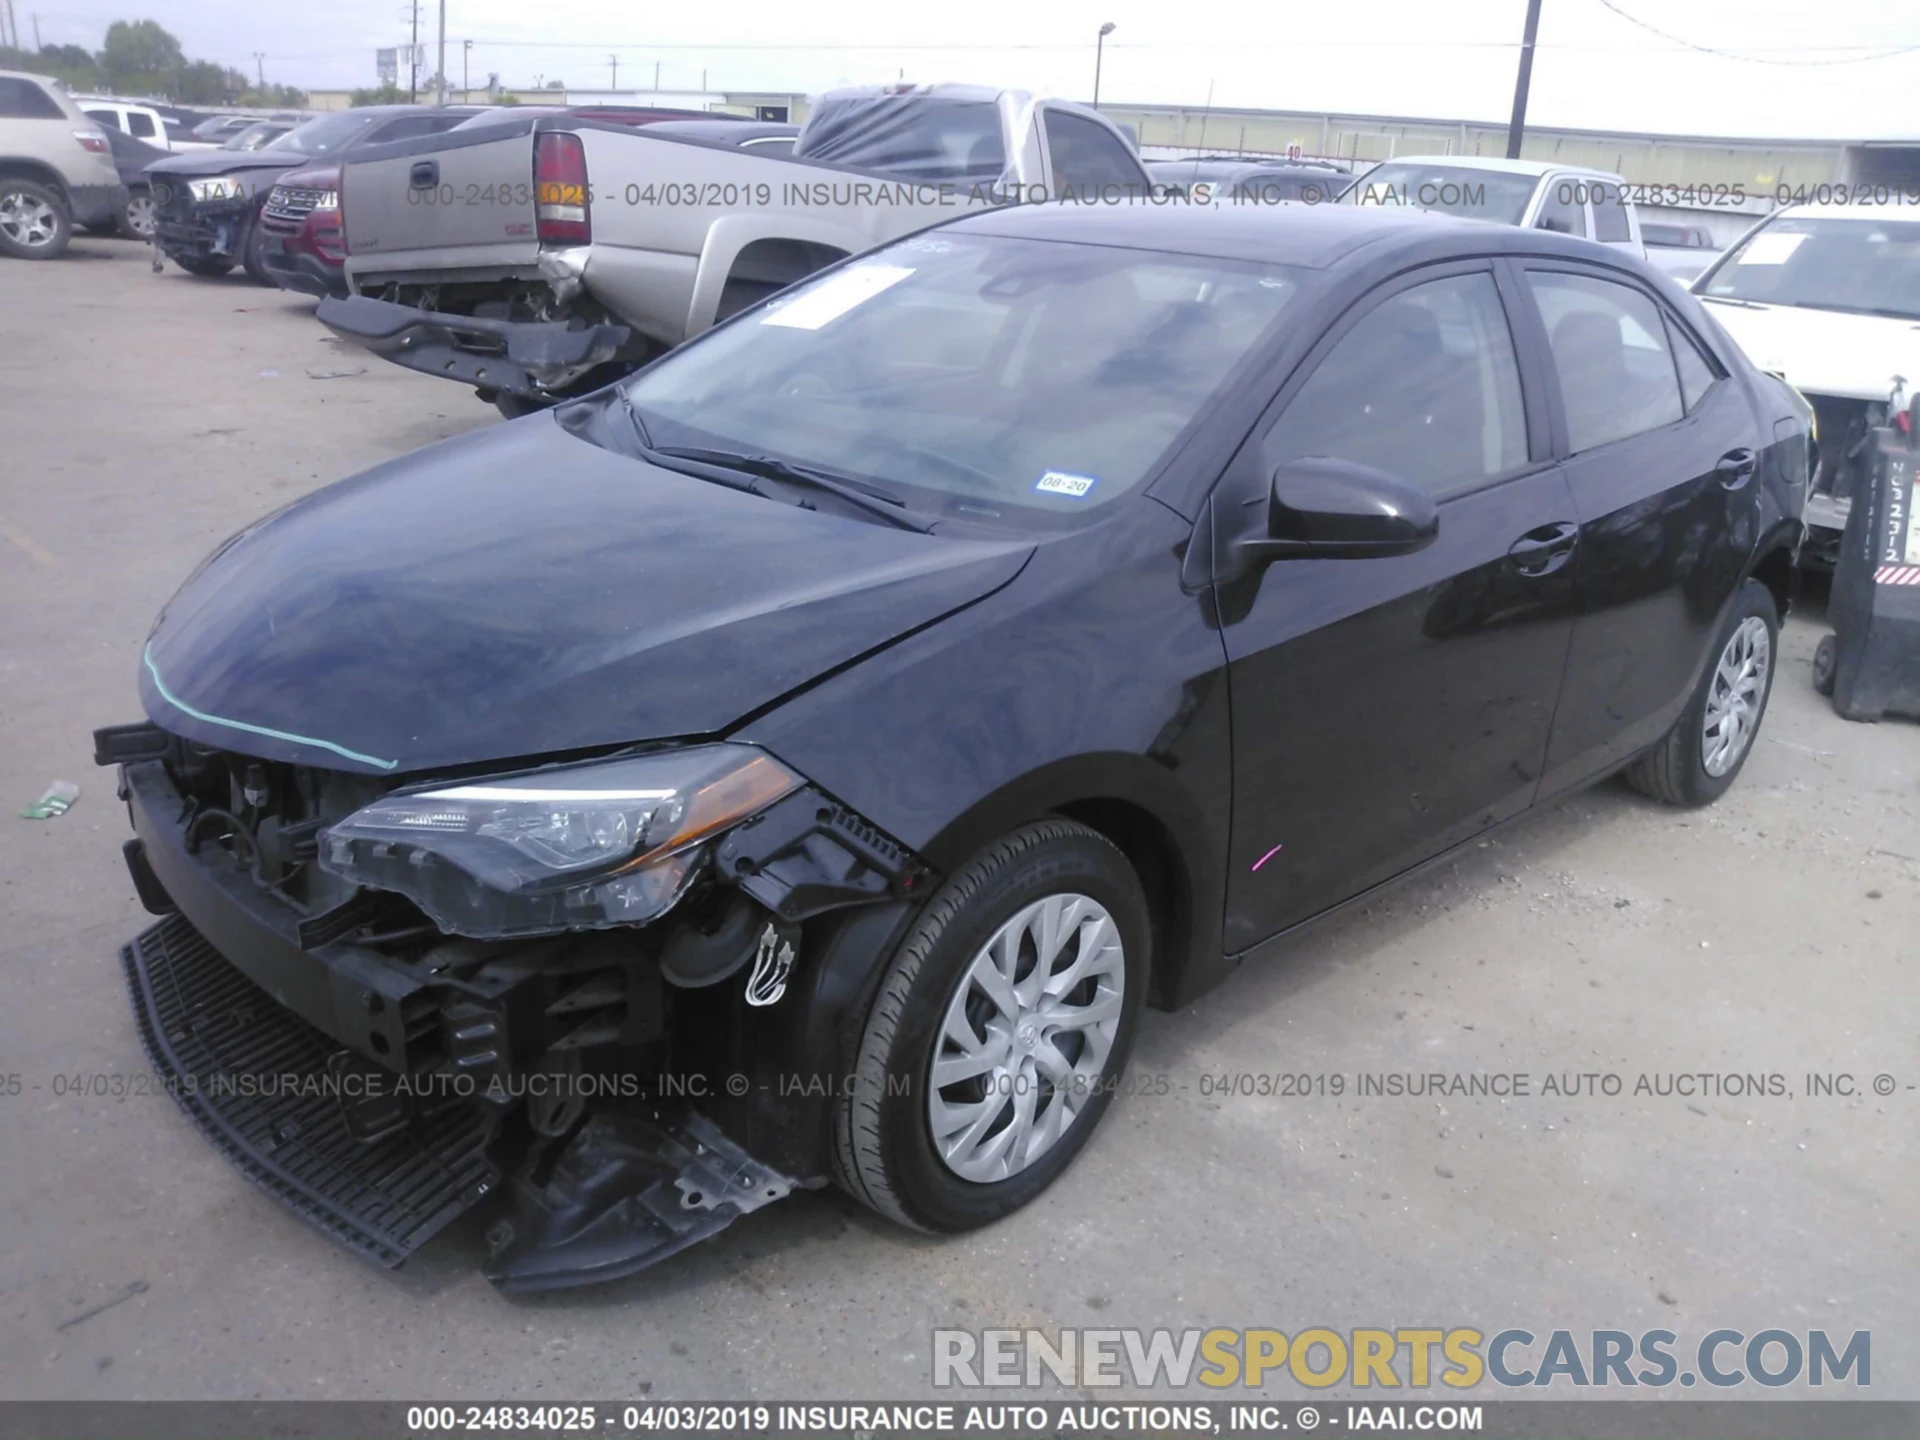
column 146, row 417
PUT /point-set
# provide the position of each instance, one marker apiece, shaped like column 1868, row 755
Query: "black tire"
column 883, row 1143
column 136, row 220
column 35, row 223
column 1826, row 664
column 206, row 266
column 1674, row 771
column 252, row 246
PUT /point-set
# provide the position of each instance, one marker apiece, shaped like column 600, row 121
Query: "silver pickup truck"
column 536, row 257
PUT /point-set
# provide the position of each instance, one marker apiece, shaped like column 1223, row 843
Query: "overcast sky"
column 1800, row 69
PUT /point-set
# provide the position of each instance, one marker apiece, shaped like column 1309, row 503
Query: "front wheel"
column 34, row 221
column 1697, row 760
column 136, row 220
column 999, row 1033
column 204, row 265
column 253, row 254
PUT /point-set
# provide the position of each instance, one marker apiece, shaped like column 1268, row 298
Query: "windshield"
column 1868, row 266
column 323, row 134
column 1459, row 190
column 985, row 377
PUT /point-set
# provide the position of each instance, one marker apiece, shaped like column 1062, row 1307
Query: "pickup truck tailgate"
column 462, row 204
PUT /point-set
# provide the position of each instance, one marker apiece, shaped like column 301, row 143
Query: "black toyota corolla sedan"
column 803, row 760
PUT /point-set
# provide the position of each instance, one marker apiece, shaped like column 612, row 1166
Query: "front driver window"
column 1609, row 344
column 1424, row 386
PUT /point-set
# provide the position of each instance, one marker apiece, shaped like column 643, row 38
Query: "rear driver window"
column 1610, row 350
column 1424, row 386
column 24, row 100
column 140, row 125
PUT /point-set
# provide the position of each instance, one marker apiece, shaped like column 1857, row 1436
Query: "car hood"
column 1824, row 352
column 198, row 164
column 520, row 592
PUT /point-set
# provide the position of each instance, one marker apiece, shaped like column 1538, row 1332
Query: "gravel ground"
column 146, row 417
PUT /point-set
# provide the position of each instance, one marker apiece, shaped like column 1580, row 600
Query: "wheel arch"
column 19, row 167
column 1136, row 805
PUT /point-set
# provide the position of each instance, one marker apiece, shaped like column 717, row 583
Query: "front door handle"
column 1545, row 548
column 424, row 175
column 1735, row 468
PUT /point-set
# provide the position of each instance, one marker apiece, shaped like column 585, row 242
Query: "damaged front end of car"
column 620, row 989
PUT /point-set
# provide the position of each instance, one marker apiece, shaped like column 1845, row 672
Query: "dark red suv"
column 303, row 250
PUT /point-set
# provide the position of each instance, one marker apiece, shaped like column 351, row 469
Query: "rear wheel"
column 1700, row 757
column 34, row 221
column 999, row 1032
column 207, row 265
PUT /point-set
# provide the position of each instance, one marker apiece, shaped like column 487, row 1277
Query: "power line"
column 1684, row 44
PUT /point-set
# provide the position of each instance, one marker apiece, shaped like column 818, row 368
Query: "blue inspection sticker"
column 1065, row 482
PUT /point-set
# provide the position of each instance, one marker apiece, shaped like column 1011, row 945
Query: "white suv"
column 56, row 168
column 1568, row 199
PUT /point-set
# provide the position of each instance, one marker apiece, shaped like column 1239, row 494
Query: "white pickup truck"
column 537, row 257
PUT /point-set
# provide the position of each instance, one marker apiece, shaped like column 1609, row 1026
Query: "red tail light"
column 563, row 207
column 92, row 140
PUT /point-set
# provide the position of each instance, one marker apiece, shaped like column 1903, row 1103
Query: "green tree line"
column 140, row 57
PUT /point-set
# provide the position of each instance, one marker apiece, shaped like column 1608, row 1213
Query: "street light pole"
column 1517, row 126
column 1099, row 46
column 440, row 95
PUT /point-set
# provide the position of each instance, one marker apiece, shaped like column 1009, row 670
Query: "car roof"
column 1841, row 210
column 1501, row 164
column 1309, row 236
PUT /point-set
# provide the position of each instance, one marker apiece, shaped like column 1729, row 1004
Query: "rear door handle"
column 424, row 175
column 1545, row 548
column 1735, row 468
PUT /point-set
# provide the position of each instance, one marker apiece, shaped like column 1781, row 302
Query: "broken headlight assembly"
column 580, row 847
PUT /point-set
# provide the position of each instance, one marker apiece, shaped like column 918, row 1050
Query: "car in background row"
column 1681, row 250
column 56, row 168
column 1238, row 179
column 257, row 135
column 131, row 158
column 304, row 250
column 882, row 698
column 1828, row 297
column 1566, row 199
column 207, row 206
column 218, row 129
column 147, row 123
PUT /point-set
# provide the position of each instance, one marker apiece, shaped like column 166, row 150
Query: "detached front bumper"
column 526, row 358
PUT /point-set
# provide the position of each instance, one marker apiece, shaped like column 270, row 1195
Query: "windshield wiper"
column 860, row 494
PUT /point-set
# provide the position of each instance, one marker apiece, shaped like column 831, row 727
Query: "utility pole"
column 259, row 60
column 613, row 72
column 1517, row 126
column 440, row 69
column 36, row 32
column 656, row 70
column 413, row 59
column 466, row 54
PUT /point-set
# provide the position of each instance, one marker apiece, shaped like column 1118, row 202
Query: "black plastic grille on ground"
column 232, row 1057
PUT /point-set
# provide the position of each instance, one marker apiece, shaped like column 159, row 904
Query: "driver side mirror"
column 1322, row 508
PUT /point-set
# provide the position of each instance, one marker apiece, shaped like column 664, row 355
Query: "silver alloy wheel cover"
column 1734, row 698
column 140, row 216
column 27, row 220
column 1033, row 1093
